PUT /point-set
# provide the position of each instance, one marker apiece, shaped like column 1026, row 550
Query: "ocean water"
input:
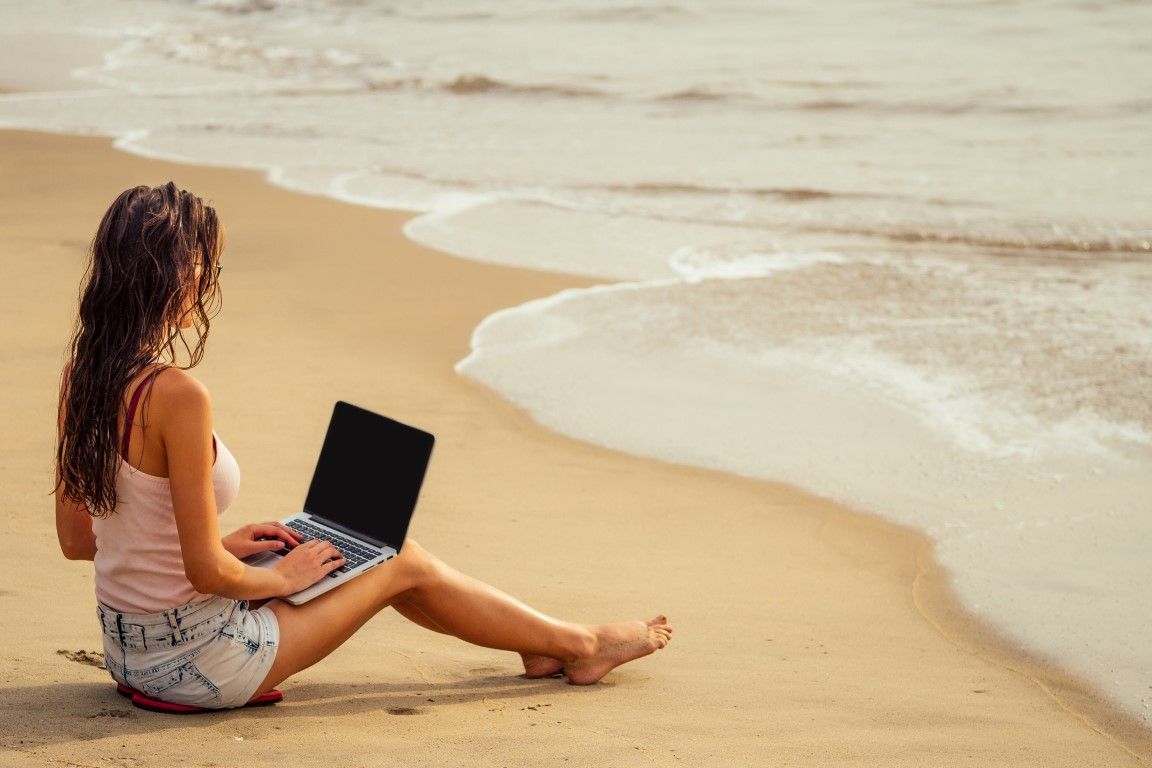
column 896, row 252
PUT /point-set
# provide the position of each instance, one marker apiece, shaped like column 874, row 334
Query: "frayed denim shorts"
column 213, row 653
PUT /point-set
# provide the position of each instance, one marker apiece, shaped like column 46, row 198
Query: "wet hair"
column 141, row 285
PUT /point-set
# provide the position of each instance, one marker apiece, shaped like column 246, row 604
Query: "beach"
column 807, row 633
column 897, row 260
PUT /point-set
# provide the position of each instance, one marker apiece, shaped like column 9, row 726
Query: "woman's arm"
column 73, row 523
column 184, row 421
column 74, row 528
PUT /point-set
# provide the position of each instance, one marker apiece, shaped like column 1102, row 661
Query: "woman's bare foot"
column 540, row 666
column 618, row 644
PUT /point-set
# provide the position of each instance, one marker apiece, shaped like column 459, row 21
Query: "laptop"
column 362, row 496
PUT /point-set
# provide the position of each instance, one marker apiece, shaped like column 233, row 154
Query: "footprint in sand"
column 111, row 713
column 91, row 658
column 405, row 711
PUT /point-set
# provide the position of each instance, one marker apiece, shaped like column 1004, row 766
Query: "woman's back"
column 139, row 565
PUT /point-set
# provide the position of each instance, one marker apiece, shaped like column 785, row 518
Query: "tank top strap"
column 132, row 411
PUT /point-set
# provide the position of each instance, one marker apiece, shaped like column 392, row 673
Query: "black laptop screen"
column 369, row 473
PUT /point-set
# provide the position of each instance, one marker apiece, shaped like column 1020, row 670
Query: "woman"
column 142, row 477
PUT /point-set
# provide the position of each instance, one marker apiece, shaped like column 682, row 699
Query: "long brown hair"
column 140, row 286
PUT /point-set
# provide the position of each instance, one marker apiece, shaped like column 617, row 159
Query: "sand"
column 806, row 633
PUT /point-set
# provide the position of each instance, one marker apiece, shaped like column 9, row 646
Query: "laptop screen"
column 369, row 473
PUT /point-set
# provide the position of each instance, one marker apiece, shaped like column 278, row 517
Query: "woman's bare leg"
column 534, row 666
column 449, row 606
column 440, row 598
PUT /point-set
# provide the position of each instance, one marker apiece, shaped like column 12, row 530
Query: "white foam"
column 697, row 264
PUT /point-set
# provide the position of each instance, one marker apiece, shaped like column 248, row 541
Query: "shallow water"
column 896, row 252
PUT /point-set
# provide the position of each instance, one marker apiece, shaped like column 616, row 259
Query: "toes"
column 661, row 636
column 661, row 623
column 536, row 667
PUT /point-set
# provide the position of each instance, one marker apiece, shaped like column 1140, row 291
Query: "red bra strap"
column 132, row 411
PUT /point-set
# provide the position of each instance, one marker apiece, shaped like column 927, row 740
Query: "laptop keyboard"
column 354, row 552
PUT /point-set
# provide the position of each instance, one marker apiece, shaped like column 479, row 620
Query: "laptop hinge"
column 348, row 531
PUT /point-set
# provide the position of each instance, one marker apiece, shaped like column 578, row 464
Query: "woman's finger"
column 288, row 531
column 264, row 530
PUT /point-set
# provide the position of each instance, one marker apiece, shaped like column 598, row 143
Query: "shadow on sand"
column 37, row 716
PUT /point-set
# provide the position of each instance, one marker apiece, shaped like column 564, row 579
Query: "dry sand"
column 806, row 634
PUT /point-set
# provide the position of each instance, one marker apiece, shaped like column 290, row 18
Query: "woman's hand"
column 260, row 537
column 307, row 564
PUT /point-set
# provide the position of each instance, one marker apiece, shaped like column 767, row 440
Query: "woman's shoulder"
column 180, row 407
column 168, row 395
column 177, row 388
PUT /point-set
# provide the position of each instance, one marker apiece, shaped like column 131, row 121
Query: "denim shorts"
column 213, row 653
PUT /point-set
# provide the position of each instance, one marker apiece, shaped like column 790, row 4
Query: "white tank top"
column 139, row 568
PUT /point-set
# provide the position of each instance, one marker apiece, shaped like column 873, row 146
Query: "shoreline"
column 272, row 265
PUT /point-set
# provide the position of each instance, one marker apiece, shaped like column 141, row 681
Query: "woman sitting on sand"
column 142, row 478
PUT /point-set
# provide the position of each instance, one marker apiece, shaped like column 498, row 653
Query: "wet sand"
column 806, row 633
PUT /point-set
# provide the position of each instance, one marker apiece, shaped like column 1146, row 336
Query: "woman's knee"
column 418, row 566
